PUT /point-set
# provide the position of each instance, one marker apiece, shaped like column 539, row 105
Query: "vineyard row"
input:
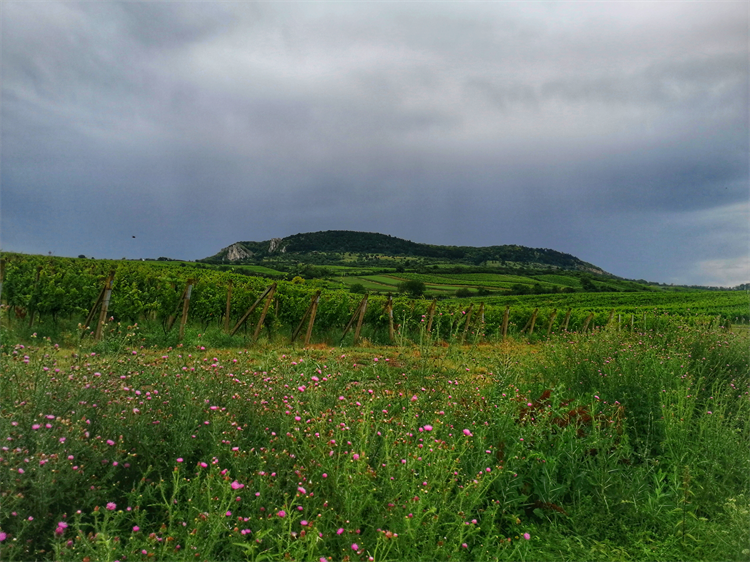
column 35, row 287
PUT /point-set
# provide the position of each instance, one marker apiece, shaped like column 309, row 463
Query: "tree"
column 357, row 288
column 412, row 287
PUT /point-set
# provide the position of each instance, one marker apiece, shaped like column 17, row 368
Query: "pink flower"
column 3, row 536
column 62, row 525
column 281, row 513
column 303, row 523
column 111, row 506
column 467, row 433
column 237, row 486
column 355, row 546
column 136, row 528
column 179, row 459
column 301, row 490
column 428, row 427
column 527, row 536
column 110, row 442
column 355, row 456
column 340, row 531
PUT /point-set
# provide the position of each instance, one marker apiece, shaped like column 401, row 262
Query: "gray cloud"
column 202, row 124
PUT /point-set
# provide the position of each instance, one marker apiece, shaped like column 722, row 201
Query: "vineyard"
column 41, row 293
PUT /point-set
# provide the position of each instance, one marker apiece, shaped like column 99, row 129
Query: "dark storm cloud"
column 199, row 124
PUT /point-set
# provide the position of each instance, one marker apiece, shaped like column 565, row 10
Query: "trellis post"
column 265, row 311
column 105, row 306
column 506, row 317
column 586, row 323
column 186, row 306
column 551, row 321
column 229, row 306
column 431, row 314
column 241, row 321
column 567, row 320
column 2, row 277
column 313, row 307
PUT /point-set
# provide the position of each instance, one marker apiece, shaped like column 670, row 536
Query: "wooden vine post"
column 92, row 312
column 312, row 320
column 389, row 311
column 33, row 295
column 172, row 317
column 431, row 314
column 506, row 317
column 2, row 277
column 241, row 321
column 107, row 294
column 586, row 322
column 466, row 324
column 229, row 306
column 480, row 328
column 355, row 315
column 611, row 316
column 311, row 311
column 530, row 324
column 186, row 306
column 269, row 298
column 551, row 321
column 358, row 313
column 567, row 320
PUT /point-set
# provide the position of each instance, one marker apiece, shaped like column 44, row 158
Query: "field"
column 617, row 433
column 609, row 446
column 52, row 296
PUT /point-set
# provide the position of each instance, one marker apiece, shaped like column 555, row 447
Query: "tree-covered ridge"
column 350, row 242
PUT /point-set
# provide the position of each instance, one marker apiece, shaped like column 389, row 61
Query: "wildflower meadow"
column 607, row 446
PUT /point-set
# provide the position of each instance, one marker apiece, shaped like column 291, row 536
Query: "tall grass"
column 117, row 451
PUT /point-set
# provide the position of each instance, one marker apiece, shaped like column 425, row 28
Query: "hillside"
column 343, row 246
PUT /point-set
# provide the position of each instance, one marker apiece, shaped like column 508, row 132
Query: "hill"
column 334, row 247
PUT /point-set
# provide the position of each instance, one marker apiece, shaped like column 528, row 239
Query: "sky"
column 614, row 131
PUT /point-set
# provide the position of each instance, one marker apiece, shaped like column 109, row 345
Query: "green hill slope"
column 340, row 246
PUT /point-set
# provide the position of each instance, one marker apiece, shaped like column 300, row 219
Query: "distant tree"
column 412, row 288
column 357, row 288
column 81, row 256
column 463, row 292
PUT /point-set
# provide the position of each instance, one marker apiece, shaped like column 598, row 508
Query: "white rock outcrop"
column 237, row 252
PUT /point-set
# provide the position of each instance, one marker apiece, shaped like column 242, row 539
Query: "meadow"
column 615, row 445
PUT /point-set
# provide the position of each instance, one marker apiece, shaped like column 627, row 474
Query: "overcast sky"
column 614, row 131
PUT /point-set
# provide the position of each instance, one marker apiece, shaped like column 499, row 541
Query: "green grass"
column 412, row 452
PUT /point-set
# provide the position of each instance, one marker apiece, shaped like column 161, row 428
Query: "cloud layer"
column 617, row 132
